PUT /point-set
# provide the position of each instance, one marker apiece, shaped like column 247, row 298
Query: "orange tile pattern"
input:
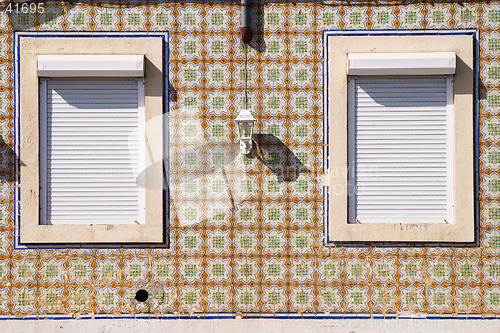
column 246, row 234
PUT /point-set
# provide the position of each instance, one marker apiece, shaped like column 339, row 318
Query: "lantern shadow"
column 273, row 153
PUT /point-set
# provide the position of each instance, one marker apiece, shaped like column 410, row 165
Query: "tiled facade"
column 246, row 233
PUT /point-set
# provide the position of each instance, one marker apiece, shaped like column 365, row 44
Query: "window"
column 84, row 106
column 400, row 150
column 91, row 150
column 400, row 138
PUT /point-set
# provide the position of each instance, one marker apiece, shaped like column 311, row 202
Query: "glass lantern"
column 245, row 122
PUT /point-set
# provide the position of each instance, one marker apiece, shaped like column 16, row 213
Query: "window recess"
column 92, row 140
column 400, row 137
column 400, row 149
column 93, row 151
column 400, row 162
column 87, row 106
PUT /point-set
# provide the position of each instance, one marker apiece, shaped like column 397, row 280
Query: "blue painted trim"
column 326, row 146
column 476, row 116
column 476, row 108
column 407, row 32
column 18, row 245
column 166, row 139
column 17, row 138
column 277, row 315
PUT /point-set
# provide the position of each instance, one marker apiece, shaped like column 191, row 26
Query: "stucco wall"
column 246, row 233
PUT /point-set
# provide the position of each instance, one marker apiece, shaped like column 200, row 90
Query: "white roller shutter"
column 400, row 149
column 92, row 146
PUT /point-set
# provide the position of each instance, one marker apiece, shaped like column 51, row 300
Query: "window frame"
column 31, row 231
column 337, row 46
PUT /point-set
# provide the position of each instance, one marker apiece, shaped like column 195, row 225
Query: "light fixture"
column 245, row 122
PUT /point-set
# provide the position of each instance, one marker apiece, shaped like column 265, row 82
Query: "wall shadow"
column 273, row 153
column 6, row 150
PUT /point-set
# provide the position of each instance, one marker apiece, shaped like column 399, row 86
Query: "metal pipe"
column 246, row 33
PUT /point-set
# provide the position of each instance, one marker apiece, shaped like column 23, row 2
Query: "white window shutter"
column 400, row 149
column 91, row 147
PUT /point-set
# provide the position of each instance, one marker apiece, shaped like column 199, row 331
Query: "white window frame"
column 30, row 47
column 337, row 226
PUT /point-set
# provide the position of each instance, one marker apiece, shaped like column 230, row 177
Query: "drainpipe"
column 246, row 33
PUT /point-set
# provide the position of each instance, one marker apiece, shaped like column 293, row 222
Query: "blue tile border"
column 428, row 32
column 18, row 245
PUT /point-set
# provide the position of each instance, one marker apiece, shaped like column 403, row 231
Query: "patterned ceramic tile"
column 467, row 270
column 329, row 299
column 246, row 231
column 490, row 72
column 78, row 18
column 491, row 101
column 23, row 301
column 490, row 157
column 133, row 18
column 492, row 41
column 106, row 19
column 5, row 20
column 246, row 299
column 300, row 17
column 357, row 299
column 384, row 299
column 189, row 19
column 219, row 18
column 302, row 299
column 438, row 16
column 23, row 272
column 4, row 53
column 4, row 299
column 491, row 299
column 466, row 15
column 273, row 298
column 440, row 299
column 383, row 17
column 411, row 16
column 412, row 299
column 356, row 18
column 219, row 298
column 491, row 15
column 328, row 18
column 468, row 300
column 490, row 129
column 274, row 18
column 161, row 18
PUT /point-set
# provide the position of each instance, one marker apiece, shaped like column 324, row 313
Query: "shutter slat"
column 110, row 131
column 65, row 109
column 104, row 194
column 97, row 145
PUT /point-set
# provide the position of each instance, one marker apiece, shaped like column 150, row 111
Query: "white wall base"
column 252, row 325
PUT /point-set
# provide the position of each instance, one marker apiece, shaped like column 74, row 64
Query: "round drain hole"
column 141, row 295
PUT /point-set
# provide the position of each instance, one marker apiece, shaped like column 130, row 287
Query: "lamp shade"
column 245, row 122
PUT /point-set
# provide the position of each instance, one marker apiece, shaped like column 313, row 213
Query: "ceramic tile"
column 246, row 231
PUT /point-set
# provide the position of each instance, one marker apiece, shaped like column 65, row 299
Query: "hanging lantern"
column 245, row 122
